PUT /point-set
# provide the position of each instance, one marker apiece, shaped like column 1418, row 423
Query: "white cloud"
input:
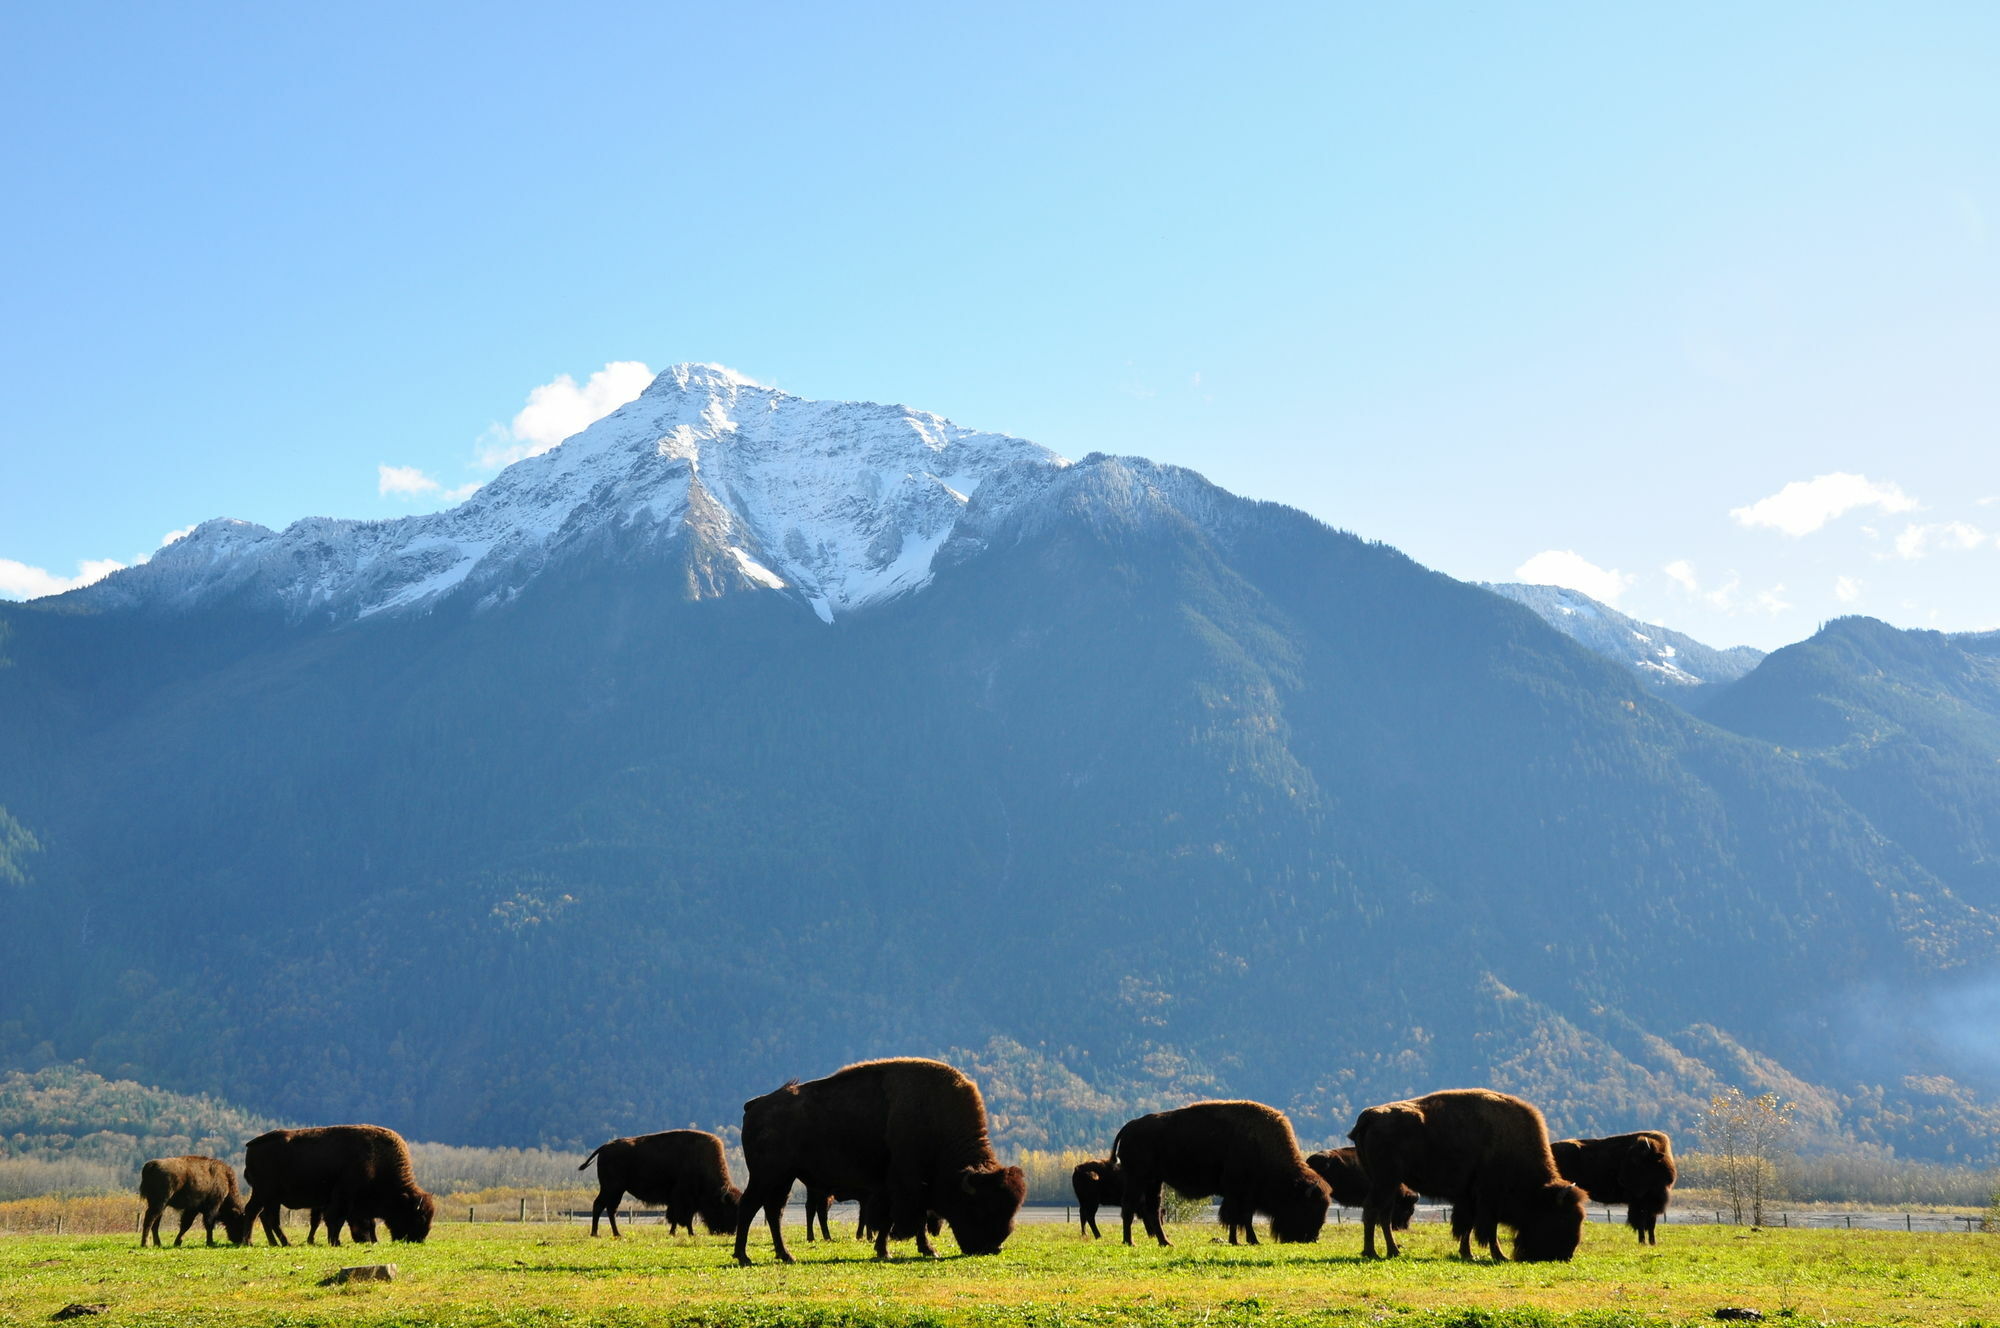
column 404, row 482
column 173, row 535
column 560, row 408
column 20, row 581
column 410, row 482
column 1727, row 597
column 1846, row 589
column 1916, row 541
column 1571, row 570
column 1803, row 506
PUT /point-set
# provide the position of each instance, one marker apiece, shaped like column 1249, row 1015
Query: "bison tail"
column 593, row 1154
column 1117, row 1139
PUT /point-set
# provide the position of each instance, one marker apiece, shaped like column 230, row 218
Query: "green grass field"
column 506, row 1274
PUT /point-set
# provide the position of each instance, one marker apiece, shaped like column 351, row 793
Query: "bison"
column 907, row 1134
column 1096, row 1183
column 683, row 1169
column 203, row 1187
column 347, row 1172
column 1486, row 1153
column 1341, row 1169
column 1636, row 1170
column 1243, row 1151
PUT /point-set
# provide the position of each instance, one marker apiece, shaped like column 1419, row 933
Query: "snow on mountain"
column 1664, row 658
column 843, row 504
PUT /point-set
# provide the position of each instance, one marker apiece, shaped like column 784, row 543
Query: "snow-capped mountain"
column 843, row 504
column 1668, row 660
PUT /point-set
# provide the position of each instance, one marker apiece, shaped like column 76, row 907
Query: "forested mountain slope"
column 1148, row 792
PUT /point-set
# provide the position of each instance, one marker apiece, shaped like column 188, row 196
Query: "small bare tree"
column 1748, row 1135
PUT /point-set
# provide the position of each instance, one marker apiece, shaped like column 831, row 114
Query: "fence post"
column 1850, row 1221
column 59, row 1224
column 524, row 1208
column 1906, row 1223
column 468, row 1214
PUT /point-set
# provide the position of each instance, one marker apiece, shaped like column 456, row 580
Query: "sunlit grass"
column 495, row 1273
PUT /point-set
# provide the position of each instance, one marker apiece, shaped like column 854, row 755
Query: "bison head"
column 1552, row 1226
column 236, row 1221
column 1298, row 1209
column 719, row 1213
column 980, row 1205
column 409, row 1218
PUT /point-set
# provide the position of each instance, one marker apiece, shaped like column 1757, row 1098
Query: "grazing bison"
column 1636, row 1170
column 1096, row 1183
column 1243, row 1151
column 347, row 1172
column 909, row 1135
column 683, row 1169
column 1484, row 1152
column 202, row 1187
column 1341, row 1169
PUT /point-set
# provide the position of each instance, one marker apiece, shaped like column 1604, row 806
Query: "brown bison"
column 202, row 1187
column 683, row 1169
column 1484, row 1152
column 1243, row 1151
column 1341, row 1169
column 909, row 1135
column 1096, row 1183
column 1636, row 1170
column 345, row 1171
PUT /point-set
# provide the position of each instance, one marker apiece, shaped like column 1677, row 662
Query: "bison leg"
column 312, row 1226
column 1086, row 1221
column 273, row 1218
column 208, row 1226
column 607, row 1201
column 774, row 1218
column 150, row 1225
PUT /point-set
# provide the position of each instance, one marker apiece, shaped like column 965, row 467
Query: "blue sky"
column 1694, row 306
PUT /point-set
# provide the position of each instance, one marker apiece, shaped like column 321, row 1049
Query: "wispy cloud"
column 560, row 408
column 1846, row 589
column 20, row 581
column 1804, row 506
column 1573, row 571
column 1729, row 596
column 410, row 483
column 1918, row 540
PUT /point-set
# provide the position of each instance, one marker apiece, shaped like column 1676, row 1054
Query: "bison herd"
column 907, row 1140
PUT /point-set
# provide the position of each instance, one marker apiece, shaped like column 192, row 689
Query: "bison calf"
column 1243, row 1151
column 1096, row 1183
column 908, row 1135
column 1484, row 1152
column 1636, row 1170
column 197, row 1187
column 683, row 1169
column 347, row 1172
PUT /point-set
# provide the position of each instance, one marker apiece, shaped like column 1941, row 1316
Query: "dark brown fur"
column 348, row 1172
column 1096, row 1183
column 683, row 1169
column 1487, row 1154
column 1243, row 1151
column 910, row 1134
column 1341, row 1169
column 1636, row 1170
column 360, row 1230
column 196, row 1187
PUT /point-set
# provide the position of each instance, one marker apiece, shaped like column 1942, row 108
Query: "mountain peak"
column 693, row 377
column 840, row 504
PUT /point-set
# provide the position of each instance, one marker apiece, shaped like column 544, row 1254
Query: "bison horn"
column 965, row 1180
